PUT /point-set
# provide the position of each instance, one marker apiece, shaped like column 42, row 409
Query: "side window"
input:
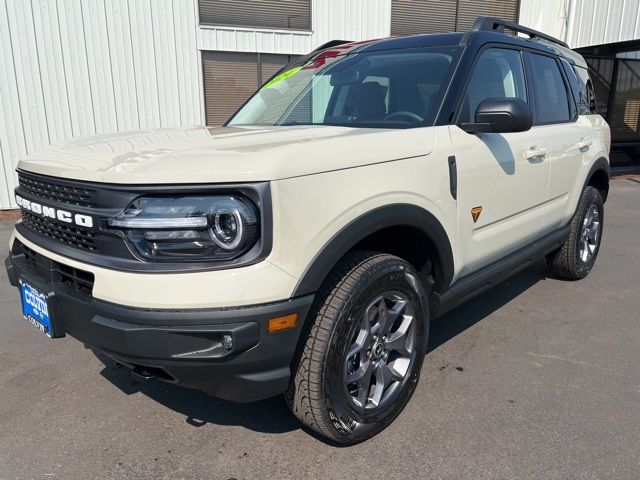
column 550, row 91
column 498, row 73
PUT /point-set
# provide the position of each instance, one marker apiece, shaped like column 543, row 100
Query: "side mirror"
column 501, row 115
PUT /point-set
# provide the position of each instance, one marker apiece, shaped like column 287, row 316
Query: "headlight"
column 190, row 227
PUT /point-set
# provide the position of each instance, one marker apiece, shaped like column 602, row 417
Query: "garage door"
column 231, row 77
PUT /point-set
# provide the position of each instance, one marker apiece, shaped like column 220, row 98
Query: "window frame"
column 503, row 46
column 570, row 99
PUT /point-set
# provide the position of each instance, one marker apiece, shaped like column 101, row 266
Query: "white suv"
column 305, row 246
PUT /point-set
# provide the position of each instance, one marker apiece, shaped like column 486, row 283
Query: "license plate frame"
column 36, row 308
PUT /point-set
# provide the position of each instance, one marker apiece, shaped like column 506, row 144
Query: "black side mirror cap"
column 501, row 115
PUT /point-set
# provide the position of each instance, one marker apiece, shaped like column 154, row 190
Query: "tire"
column 328, row 390
column 570, row 261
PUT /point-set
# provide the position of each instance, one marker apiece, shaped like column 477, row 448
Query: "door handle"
column 536, row 154
column 584, row 143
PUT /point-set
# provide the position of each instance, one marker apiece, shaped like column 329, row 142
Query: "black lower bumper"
column 226, row 352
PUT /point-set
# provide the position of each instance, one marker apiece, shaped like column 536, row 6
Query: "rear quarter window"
column 585, row 81
column 578, row 88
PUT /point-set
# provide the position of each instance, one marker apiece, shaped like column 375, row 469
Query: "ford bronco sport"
column 304, row 247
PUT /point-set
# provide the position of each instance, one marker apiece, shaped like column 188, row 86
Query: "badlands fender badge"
column 475, row 213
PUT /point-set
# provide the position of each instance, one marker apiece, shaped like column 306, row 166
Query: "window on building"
column 552, row 100
column 498, row 73
column 277, row 14
column 411, row 17
column 231, row 77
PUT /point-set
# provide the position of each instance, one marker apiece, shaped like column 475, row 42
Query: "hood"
column 225, row 154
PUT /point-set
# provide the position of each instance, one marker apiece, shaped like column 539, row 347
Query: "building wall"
column 584, row 22
column 71, row 68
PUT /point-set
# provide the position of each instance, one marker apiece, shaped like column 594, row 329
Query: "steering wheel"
column 406, row 114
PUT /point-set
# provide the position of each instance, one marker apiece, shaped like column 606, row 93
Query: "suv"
column 304, row 247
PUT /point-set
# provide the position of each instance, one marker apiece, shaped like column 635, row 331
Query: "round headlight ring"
column 219, row 231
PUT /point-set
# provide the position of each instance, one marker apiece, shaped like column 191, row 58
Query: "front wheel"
column 576, row 257
column 360, row 357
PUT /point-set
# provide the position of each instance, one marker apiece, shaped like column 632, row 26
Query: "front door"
column 502, row 178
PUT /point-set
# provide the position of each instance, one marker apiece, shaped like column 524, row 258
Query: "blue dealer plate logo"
column 35, row 308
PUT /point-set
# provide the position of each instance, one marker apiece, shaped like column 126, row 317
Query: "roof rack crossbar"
column 498, row 24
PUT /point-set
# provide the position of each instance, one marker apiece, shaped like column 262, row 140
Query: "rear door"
column 567, row 137
column 502, row 177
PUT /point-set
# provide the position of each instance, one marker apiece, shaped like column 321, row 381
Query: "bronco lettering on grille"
column 57, row 214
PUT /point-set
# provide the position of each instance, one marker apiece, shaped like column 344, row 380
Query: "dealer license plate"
column 35, row 308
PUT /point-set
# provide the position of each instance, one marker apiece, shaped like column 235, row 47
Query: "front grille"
column 56, row 272
column 75, row 237
column 51, row 189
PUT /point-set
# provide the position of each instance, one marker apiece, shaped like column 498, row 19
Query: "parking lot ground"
column 538, row 378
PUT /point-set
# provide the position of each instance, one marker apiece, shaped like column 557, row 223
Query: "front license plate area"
column 35, row 308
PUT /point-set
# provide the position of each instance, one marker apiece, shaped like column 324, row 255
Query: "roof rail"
column 497, row 24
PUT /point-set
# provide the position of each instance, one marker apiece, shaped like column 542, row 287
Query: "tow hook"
column 144, row 374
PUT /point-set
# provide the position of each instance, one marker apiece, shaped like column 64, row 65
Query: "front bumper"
column 181, row 346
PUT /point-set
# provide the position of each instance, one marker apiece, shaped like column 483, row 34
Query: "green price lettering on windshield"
column 282, row 76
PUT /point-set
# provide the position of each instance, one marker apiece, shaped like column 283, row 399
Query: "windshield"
column 390, row 89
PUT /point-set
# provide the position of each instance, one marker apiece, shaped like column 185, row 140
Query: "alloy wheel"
column 590, row 234
column 381, row 351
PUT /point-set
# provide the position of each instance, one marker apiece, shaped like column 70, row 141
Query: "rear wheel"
column 360, row 357
column 577, row 256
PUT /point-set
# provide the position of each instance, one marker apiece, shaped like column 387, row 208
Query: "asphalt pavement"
column 538, row 378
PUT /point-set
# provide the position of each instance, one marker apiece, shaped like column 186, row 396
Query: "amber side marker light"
column 285, row 322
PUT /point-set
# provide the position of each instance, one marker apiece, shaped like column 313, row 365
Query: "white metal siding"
column 71, row 68
column 595, row 22
column 584, row 22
